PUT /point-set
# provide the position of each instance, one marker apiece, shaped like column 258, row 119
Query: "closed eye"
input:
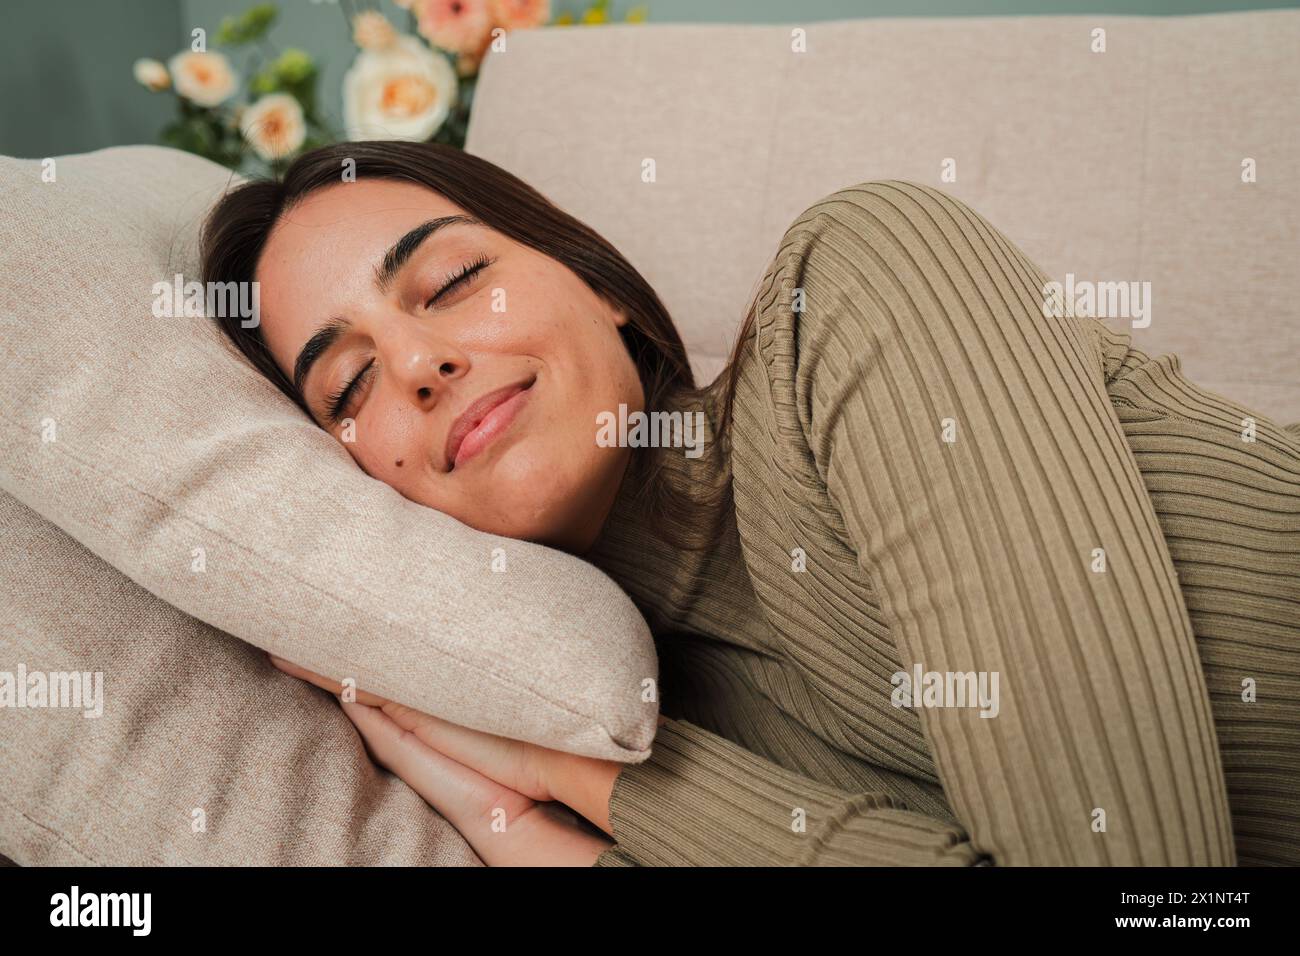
column 338, row 403
column 467, row 271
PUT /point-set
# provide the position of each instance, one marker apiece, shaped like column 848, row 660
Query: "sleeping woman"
column 957, row 580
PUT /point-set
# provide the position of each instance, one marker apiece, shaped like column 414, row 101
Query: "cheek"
column 617, row 377
column 385, row 447
column 593, row 348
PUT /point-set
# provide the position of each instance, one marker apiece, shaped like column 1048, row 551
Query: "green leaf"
column 227, row 33
column 294, row 67
column 263, row 83
column 251, row 25
column 196, row 132
column 260, row 17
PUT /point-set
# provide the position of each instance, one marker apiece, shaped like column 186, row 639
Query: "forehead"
column 363, row 204
column 320, row 256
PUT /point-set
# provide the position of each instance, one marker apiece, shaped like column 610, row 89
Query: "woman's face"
column 371, row 258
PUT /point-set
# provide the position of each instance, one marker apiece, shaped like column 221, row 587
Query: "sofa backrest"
column 1117, row 166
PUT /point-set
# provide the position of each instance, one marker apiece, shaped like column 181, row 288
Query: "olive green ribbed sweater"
column 927, row 471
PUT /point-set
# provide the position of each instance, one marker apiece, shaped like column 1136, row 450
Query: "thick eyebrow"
column 325, row 337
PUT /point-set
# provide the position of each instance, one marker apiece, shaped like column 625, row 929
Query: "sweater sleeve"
column 702, row 800
column 985, row 483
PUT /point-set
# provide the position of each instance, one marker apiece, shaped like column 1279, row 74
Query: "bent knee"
column 888, row 235
column 907, row 229
column 890, row 209
column 911, row 263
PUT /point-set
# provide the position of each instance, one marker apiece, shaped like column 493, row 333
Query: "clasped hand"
column 512, row 801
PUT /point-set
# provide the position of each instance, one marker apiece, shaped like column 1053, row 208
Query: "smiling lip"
column 483, row 421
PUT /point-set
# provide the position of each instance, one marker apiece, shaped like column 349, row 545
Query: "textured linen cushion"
column 174, row 461
column 193, row 720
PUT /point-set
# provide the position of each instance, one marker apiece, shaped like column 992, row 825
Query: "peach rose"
column 205, row 79
column 459, row 26
column 520, row 14
column 274, row 126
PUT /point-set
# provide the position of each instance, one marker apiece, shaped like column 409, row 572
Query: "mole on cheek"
column 399, row 463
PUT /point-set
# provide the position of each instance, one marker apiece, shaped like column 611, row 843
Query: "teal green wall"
column 65, row 73
column 65, row 65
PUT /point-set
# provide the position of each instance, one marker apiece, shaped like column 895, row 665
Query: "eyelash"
column 466, row 271
column 338, row 402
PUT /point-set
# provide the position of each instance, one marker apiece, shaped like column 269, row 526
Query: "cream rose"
column 404, row 92
column 274, row 126
column 151, row 74
column 372, row 31
column 203, row 78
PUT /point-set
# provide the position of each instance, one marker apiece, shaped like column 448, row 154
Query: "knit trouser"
column 940, row 317
column 979, row 488
column 1225, row 483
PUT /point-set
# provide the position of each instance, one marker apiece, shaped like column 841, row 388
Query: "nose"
column 423, row 363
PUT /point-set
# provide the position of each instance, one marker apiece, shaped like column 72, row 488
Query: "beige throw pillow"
column 174, row 744
column 155, row 445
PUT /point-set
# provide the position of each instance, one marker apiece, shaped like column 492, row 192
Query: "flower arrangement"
column 415, row 85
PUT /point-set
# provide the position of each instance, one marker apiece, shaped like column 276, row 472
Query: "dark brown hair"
column 237, row 229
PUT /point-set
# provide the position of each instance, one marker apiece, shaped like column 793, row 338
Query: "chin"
column 523, row 475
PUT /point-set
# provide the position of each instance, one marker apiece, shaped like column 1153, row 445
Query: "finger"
column 512, row 763
column 333, row 686
column 461, row 794
column 455, row 740
column 503, row 827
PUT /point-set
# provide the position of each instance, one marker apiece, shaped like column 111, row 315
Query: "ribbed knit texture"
column 1122, row 736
